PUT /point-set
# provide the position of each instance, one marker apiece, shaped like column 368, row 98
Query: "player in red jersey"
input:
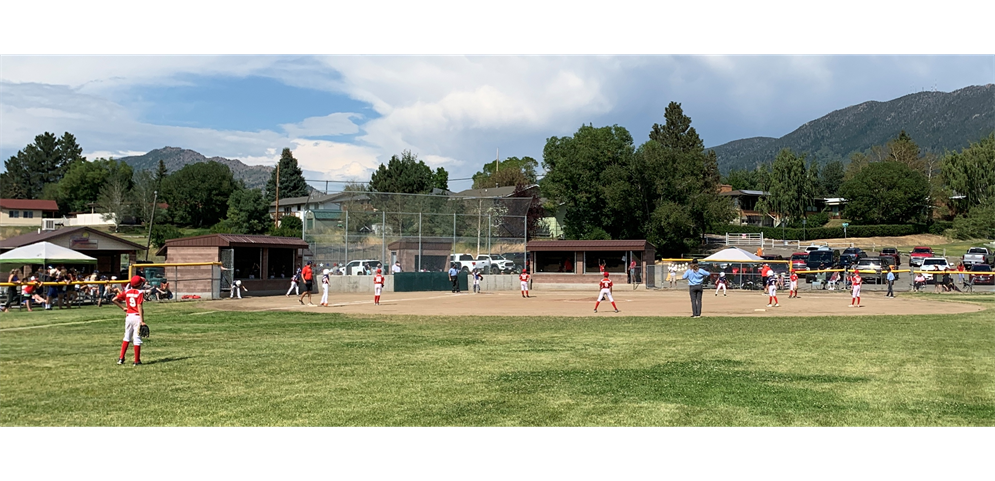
column 130, row 301
column 606, row 292
column 525, row 282
column 377, row 287
column 855, row 282
column 793, row 292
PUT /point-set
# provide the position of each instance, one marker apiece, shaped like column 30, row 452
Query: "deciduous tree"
column 198, row 193
column 509, row 172
column 886, row 193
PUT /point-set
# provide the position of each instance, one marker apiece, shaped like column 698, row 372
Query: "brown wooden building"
column 113, row 253
column 555, row 262
column 263, row 263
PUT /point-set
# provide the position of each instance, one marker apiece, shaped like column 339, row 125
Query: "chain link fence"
column 418, row 233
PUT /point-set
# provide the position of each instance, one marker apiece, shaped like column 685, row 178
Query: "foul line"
column 53, row 325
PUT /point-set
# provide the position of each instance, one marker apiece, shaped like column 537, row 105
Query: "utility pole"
column 497, row 160
column 276, row 215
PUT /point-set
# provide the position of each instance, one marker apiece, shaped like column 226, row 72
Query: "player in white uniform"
column 525, row 282
column 855, row 282
column 606, row 292
column 130, row 301
column 236, row 288
column 721, row 284
column 324, row 287
column 377, row 287
column 772, row 282
column 293, row 284
column 477, row 276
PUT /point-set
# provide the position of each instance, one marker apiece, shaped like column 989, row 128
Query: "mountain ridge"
column 175, row 158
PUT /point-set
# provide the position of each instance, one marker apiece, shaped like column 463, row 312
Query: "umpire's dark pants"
column 455, row 284
column 696, row 299
column 890, row 294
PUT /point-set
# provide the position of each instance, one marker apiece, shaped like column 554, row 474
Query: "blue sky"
column 343, row 115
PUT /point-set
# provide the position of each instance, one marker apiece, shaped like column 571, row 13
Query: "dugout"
column 263, row 263
column 569, row 264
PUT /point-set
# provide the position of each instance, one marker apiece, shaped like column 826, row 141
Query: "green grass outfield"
column 206, row 368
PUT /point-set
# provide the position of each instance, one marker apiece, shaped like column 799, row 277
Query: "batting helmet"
column 524, row 271
column 378, row 270
column 136, row 281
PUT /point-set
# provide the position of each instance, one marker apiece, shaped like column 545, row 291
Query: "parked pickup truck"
column 496, row 262
column 920, row 254
column 893, row 253
column 977, row 255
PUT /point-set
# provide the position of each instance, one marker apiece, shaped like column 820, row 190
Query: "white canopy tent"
column 732, row 254
column 44, row 253
column 742, row 265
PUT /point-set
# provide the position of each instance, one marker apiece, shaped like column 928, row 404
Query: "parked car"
column 977, row 255
column 872, row 269
column 823, row 258
column 851, row 255
column 893, row 253
column 933, row 264
column 815, row 247
column 919, row 254
column 496, row 262
column 982, row 278
column 357, row 267
column 465, row 262
column 799, row 261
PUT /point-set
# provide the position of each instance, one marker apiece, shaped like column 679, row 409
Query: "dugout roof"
column 589, row 245
column 234, row 240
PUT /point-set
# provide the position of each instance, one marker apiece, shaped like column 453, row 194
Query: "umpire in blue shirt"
column 695, row 278
column 454, row 277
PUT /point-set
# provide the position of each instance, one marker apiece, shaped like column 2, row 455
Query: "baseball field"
column 495, row 359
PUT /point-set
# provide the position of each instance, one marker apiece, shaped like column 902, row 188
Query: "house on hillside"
column 26, row 212
column 744, row 202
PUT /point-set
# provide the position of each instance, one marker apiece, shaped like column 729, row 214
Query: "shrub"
column 163, row 232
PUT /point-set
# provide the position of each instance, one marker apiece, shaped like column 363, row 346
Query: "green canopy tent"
column 44, row 253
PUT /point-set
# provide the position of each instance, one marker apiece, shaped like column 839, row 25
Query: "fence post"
column 454, row 234
column 346, row 240
column 420, row 255
column 383, row 239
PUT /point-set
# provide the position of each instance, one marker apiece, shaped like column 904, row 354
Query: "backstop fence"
column 418, row 233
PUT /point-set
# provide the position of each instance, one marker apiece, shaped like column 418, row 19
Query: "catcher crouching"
column 130, row 301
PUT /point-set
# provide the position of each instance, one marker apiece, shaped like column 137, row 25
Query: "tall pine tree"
column 41, row 163
column 292, row 183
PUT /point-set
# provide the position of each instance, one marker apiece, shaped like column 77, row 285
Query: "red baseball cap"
column 606, row 273
column 136, row 281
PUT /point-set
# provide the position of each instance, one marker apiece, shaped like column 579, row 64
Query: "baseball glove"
column 143, row 331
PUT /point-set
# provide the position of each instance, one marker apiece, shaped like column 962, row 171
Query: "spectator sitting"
column 162, row 290
column 919, row 282
column 948, row 283
column 833, row 280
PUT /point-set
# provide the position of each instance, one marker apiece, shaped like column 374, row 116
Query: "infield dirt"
column 631, row 303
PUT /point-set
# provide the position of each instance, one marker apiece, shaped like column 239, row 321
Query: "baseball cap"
column 378, row 271
column 136, row 281
column 606, row 273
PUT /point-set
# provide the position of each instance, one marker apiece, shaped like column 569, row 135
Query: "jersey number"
column 132, row 302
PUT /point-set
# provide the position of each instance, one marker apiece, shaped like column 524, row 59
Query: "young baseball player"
column 794, row 285
column 525, row 282
column 672, row 274
column 477, row 276
column 130, row 301
column 324, row 287
column 378, row 280
column 606, row 293
column 296, row 279
column 721, row 284
column 855, row 282
column 236, row 288
column 772, row 282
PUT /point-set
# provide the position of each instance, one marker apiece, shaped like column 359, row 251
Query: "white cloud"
column 332, row 124
column 336, row 160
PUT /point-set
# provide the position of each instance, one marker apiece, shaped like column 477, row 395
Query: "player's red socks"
column 596, row 304
column 770, row 300
column 858, row 300
column 124, row 349
column 138, row 354
column 775, row 299
column 614, row 306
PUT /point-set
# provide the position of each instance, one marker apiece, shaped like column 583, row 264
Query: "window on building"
column 247, row 262
column 29, row 214
column 14, row 214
